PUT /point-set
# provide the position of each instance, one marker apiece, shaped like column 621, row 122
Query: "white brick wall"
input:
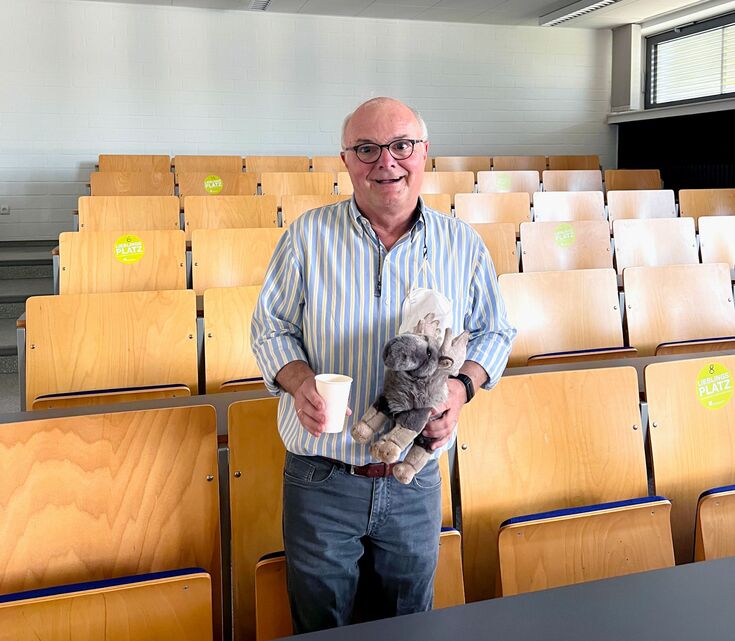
column 80, row 78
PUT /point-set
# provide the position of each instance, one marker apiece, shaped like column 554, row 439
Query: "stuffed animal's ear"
column 427, row 326
column 461, row 340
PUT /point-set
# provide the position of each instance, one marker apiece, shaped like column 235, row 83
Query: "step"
column 8, row 346
column 26, row 260
column 17, row 290
column 9, row 393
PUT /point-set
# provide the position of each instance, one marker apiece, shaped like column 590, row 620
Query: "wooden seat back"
column 641, row 203
column 561, row 311
column 628, row 179
column 509, row 181
column 293, row 206
column 510, row 207
column 714, row 534
column 95, row 342
column 102, row 496
column 542, row 442
column 690, row 415
column 207, row 164
column 706, row 202
column 448, row 182
column 654, row 242
column 519, row 163
column 132, row 162
column 131, row 183
column 344, row 184
column 438, row 202
column 717, row 239
column 677, row 303
column 171, row 605
column 500, row 240
column 229, row 212
column 205, row 183
column 564, row 206
column 581, row 244
column 552, row 549
column 574, row 162
column 297, row 184
column 572, row 180
column 101, row 213
column 463, row 163
column 228, row 356
column 219, row 259
column 108, row 261
column 261, row 164
column 331, row 164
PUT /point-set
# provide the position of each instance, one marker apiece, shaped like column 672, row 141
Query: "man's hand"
column 448, row 412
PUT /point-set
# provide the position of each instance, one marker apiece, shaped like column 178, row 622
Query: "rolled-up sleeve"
column 491, row 334
column 276, row 331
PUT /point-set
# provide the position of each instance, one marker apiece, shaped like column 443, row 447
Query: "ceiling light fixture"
column 572, row 11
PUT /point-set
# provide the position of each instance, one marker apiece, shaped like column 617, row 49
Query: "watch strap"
column 469, row 386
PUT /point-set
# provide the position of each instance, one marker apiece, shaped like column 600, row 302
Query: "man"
column 332, row 297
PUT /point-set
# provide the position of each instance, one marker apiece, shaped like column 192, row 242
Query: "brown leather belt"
column 371, row 470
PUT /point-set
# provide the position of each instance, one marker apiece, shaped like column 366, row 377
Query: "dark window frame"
column 652, row 42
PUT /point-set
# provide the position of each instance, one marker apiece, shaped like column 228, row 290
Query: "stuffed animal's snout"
column 409, row 352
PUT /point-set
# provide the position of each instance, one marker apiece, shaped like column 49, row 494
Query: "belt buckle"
column 351, row 469
column 385, row 472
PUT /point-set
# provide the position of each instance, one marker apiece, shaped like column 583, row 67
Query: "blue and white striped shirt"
column 327, row 301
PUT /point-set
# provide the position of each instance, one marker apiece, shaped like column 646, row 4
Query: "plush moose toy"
column 418, row 365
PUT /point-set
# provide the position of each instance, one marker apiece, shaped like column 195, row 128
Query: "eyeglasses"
column 369, row 152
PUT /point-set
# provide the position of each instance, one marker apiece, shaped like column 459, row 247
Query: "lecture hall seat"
column 131, row 183
column 496, row 207
column 133, row 162
column 558, row 246
column 229, row 212
column 127, row 213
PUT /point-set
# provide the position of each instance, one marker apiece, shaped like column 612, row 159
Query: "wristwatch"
column 469, row 386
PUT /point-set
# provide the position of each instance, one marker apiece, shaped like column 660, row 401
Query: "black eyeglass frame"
column 385, row 146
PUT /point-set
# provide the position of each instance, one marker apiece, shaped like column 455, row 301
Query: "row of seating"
column 260, row 164
column 128, row 493
column 280, row 183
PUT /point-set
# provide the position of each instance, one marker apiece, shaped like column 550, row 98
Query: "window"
column 691, row 63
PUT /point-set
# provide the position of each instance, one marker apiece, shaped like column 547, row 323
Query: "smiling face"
column 387, row 187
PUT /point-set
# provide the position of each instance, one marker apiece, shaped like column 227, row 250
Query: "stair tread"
column 25, row 256
column 21, row 288
column 8, row 340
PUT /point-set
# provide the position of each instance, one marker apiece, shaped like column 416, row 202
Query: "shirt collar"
column 359, row 222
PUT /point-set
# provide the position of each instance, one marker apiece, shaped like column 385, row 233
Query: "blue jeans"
column 333, row 519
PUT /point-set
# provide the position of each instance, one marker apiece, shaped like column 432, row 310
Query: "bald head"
column 383, row 103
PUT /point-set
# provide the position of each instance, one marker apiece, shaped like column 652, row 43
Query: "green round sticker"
column 564, row 235
column 213, row 184
column 714, row 386
column 502, row 181
column 129, row 249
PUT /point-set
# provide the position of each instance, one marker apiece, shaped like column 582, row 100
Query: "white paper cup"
column 335, row 390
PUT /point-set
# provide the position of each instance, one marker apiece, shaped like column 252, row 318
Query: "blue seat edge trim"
column 581, row 510
column 71, row 588
column 717, row 490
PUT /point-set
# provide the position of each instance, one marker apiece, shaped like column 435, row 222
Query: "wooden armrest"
column 602, row 354
column 700, row 345
column 242, row 385
column 107, row 397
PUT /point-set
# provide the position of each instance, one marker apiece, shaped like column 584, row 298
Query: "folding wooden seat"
column 132, row 162
column 293, row 206
column 331, row 164
column 641, row 203
column 176, row 604
column 429, row 164
column 519, row 163
column 108, row 261
column 310, row 183
column 691, row 413
column 574, row 162
column 131, row 183
column 654, row 242
column 207, row 164
column 260, row 164
column 717, row 240
column 344, row 184
column 500, row 240
column 564, row 206
column 463, row 163
column 572, row 180
column 706, row 202
column 679, row 308
column 102, row 496
column 512, row 207
column 563, row 316
column 140, row 213
column 509, row 181
column 581, row 244
column 229, row 360
column 438, row 202
column 205, row 183
column 86, row 349
column 574, row 545
column 714, row 535
column 273, row 612
column 627, row 179
column 542, row 442
column 229, row 212
column 448, row 182
column 231, row 257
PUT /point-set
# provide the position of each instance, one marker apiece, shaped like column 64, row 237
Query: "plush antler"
column 428, row 326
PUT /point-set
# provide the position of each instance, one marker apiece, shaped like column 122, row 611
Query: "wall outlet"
column 4, row 210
